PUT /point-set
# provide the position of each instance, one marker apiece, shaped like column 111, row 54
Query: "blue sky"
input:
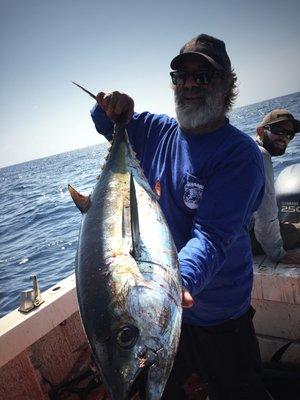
column 125, row 45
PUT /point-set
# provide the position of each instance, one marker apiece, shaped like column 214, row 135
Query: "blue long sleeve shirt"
column 210, row 185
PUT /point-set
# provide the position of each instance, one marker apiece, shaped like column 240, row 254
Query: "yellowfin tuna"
column 127, row 277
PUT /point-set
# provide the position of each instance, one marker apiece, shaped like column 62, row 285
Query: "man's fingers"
column 187, row 299
column 112, row 99
column 115, row 104
column 120, row 106
column 106, row 101
column 99, row 98
column 125, row 108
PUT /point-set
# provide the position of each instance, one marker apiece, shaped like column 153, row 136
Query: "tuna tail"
column 85, row 90
column 119, row 130
column 82, row 202
column 134, row 218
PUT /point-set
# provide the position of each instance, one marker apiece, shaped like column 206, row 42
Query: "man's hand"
column 187, row 300
column 292, row 257
column 116, row 104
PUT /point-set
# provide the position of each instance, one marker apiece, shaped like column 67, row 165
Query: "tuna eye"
column 127, row 336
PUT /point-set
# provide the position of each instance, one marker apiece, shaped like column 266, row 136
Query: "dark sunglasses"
column 280, row 131
column 200, row 78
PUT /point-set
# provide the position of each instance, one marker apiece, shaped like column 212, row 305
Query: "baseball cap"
column 204, row 46
column 279, row 115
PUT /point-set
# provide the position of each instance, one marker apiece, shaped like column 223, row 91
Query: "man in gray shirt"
column 273, row 135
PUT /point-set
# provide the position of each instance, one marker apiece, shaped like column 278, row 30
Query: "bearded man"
column 210, row 179
column 268, row 236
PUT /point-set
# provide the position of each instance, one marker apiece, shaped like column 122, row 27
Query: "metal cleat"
column 31, row 299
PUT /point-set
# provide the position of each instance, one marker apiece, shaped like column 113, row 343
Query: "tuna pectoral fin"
column 82, row 202
column 134, row 218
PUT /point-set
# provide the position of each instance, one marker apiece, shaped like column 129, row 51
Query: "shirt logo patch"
column 192, row 194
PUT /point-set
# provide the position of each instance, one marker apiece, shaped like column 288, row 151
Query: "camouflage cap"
column 280, row 115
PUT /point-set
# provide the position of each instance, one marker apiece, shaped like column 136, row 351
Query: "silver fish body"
column 127, row 277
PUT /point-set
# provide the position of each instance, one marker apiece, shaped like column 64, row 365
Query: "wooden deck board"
column 19, row 380
column 53, row 355
column 276, row 281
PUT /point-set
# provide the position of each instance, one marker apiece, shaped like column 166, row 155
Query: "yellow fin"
column 82, row 202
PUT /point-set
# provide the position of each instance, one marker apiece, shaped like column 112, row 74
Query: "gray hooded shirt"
column 266, row 223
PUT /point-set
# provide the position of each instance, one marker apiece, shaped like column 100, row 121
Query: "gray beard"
column 209, row 108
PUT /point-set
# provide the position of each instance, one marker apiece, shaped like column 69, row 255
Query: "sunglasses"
column 280, row 131
column 200, row 78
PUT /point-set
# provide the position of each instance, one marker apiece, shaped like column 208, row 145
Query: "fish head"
column 140, row 347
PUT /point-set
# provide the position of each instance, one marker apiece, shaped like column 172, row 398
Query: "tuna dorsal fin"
column 82, row 202
column 134, row 217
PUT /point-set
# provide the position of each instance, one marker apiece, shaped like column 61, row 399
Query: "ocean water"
column 39, row 223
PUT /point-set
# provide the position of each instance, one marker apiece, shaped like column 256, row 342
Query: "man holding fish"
column 209, row 179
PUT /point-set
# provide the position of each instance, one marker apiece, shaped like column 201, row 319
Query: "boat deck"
column 44, row 354
column 276, row 299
